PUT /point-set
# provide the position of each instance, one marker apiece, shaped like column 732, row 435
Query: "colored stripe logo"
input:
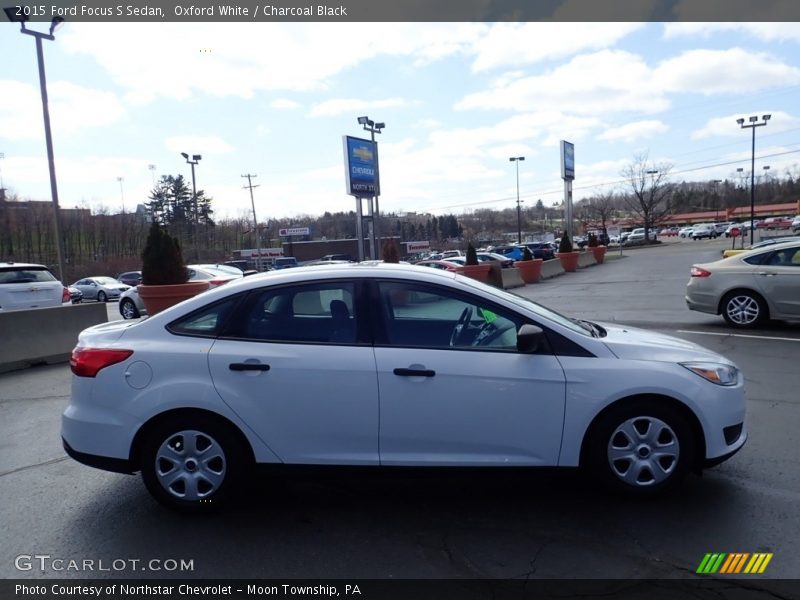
column 734, row 563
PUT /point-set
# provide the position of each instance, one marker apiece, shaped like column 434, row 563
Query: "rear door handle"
column 766, row 274
column 414, row 372
column 248, row 367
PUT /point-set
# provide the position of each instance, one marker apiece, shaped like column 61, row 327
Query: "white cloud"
column 427, row 124
column 198, row 144
column 284, row 104
column 723, row 71
column 338, row 106
column 515, row 44
column 73, row 108
column 604, row 82
column 766, row 32
column 630, row 132
column 727, row 126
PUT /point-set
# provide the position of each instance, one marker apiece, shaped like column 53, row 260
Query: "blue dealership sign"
column 361, row 167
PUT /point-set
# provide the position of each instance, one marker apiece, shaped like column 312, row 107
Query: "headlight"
column 714, row 372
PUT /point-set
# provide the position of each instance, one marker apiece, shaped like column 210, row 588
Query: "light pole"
column 12, row 15
column 753, row 123
column 250, row 186
column 716, row 182
column 516, row 160
column 373, row 128
column 121, row 193
column 652, row 173
column 194, row 160
column 152, row 169
column 2, row 157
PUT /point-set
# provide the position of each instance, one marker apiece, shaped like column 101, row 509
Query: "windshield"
column 105, row 281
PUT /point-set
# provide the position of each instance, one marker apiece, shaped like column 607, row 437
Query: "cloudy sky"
column 458, row 100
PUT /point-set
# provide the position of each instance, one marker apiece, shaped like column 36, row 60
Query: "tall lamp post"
column 12, row 15
column 152, row 169
column 716, row 183
column 121, row 193
column 753, row 122
column 373, row 128
column 516, row 160
column 652, row 173
column 194, row 160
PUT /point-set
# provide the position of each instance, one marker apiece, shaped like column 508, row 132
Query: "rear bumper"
column 117, row 465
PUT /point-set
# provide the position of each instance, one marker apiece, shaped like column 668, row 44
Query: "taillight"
column 65, row 295
column 698, row 272
column 217, row 282
column 87, row 362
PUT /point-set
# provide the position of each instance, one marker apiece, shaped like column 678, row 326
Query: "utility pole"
column 250, row 186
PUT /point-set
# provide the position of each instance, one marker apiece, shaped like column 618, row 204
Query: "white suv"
column 24, row 286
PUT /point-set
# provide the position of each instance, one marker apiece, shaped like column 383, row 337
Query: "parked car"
column 761, row 244
column 442, row 265
column 132, row 307
column 541, row 250
column 75, row 295
column 721, row 228
column 337, row 257
column 504, row 261
column 749, row 288
column 685, row 232
column 450, row 254
column 391, row 366
column 101, row 288
column 512, row 252
column 796, row 224
column 775, row 223
column 637, row 235
column 731, row 226
column 284, row 262
column 26, row 285
column 704, row 231
column 130, row 278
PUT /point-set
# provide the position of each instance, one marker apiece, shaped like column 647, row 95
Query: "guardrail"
column 44, row 335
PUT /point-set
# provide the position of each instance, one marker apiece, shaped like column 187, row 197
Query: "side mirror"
column 530, row 338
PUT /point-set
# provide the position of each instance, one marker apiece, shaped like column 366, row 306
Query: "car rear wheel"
column 101, row 297
column 641, row 448
column 744, row 309
column 192, row 463
column 128, row 309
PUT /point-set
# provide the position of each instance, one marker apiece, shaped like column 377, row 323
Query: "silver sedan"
column 101, row 289
column 749, row 288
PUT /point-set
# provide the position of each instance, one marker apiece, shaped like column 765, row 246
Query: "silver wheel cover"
column 743, row 310
column 190, row 465
column 643, row 451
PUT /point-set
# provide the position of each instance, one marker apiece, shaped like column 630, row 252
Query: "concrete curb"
column 44, row 335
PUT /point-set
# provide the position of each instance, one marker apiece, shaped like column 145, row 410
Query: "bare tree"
column 651, row 193
column 602, row 208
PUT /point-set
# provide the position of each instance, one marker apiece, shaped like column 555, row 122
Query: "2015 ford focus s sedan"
column 390, row 365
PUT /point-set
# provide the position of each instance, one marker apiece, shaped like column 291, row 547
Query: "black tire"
column 128, row 309
column 744, row 309
column 637, row 428
column 101, row 297
column 205, row 476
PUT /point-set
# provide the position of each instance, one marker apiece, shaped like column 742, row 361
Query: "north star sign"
column 361, row 167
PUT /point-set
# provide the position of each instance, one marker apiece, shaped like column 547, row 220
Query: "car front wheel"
column 642, row 448
column 744, row 309
column 128, row 309
column 192, row 463
column 101, row 297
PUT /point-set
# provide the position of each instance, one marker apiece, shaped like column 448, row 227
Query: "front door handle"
column 766, row 274
column 414, row 372
column 248, row 367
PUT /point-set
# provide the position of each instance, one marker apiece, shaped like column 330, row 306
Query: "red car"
column 775, row 223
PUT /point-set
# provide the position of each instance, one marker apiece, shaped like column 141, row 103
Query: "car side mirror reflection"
column 529, row 338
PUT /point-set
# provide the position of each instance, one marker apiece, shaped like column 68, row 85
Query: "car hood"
column 638, row 344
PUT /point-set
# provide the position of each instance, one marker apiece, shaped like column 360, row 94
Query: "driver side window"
column 426, row 316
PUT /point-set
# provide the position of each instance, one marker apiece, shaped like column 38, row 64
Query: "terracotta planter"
column 569, row 261
column 159, row 297
column 479, row 272
column 599, row 254
column 530, row 270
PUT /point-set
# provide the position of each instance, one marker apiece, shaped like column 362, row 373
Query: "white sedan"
column 390, row 365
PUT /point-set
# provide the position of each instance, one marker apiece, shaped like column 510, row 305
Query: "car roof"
column 22, row 265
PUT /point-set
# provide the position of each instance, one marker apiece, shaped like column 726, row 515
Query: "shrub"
column 472, row 256
column 565, row 245
column 593, row 241
column 526, row 253
column 162, row 261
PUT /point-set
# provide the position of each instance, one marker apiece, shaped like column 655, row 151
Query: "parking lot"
column 341, row 523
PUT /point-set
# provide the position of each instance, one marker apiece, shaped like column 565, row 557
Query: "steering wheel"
column 486, row 334
column 465, row 317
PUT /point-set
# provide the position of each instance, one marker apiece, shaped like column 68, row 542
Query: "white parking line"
column 741, row 335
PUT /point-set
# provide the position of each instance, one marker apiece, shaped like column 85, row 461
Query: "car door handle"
column 766, row 274
column 248, row 367
column 414, row 372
